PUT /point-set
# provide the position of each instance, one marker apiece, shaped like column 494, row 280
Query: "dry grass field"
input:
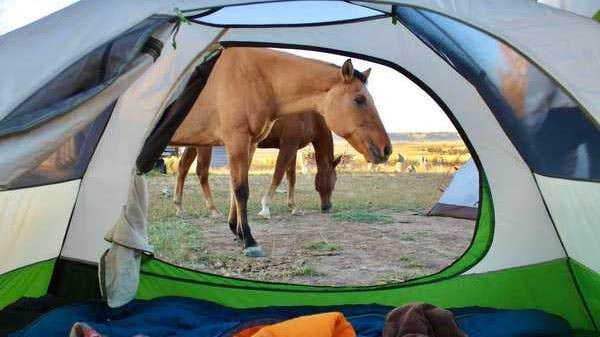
column 376, row 233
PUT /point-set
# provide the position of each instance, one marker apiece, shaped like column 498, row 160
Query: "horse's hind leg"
column 240, row 155
column 202, row 169
column 291, row 178
column 285, row 155
column 186, row 160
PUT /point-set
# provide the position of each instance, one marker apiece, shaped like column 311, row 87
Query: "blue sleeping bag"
column 185, row 317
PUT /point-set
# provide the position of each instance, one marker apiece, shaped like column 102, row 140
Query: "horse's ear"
column 367, row 72
column 347, row 71
column 337, row 160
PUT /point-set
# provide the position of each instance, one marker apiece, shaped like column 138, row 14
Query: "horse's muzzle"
column 377, row 155
column 326, row 208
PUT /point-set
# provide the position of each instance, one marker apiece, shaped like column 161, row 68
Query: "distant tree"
column 597, row 16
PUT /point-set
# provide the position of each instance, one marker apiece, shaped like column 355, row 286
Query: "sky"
column 402, row 105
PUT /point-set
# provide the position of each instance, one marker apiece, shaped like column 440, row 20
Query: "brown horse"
column 249, row 88
column 289, row 134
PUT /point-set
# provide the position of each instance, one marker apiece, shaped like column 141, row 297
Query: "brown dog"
column 421, row 320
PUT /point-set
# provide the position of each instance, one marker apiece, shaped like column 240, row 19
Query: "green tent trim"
column 589, row 285
column 547, row 286
column 29, row 281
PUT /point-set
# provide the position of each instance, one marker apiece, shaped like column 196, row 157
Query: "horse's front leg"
column 240, row 155
column 284, row 157
column 202, row 169
column 186, row 160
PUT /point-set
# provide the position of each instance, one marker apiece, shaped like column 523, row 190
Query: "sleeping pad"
column 186, row 317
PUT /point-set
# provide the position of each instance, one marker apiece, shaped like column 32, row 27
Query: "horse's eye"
column 360, row 99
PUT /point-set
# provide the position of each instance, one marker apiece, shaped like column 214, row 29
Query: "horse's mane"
column 361, row 77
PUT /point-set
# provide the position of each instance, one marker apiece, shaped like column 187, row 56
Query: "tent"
column 461, row 198
column 586, row 8
column 82, row 89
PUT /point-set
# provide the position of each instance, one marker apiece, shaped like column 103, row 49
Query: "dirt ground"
column 377, row 232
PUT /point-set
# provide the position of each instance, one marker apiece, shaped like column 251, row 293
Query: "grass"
column 410, row 262
column 322, row 246
column 164, row 233
column 218, row 260
column 356, row 196
column 304, row 271
column 363, row 216
column 398, row 278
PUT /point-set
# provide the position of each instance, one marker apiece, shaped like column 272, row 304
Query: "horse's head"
column 350, row 112
column 325, row 180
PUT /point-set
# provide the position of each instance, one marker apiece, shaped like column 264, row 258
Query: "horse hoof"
column 180, row 212
column 265, row 213
column 215, row 214
column 254, row 251
column 296, row 211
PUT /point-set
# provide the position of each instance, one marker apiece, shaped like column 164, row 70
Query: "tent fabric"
column 33, row 223
column 537, row 223
column 119, row 267
column 589, row 285
column 545, row 124
column 131, row 229
column 87, row 24
column 524, row 25
column 85, row 78
column 586, row 8
column 461, row 197
column 24, row 151
column 574, row 209
column 523, row 287
column 70, row 160
column 28, row 281
column 186, row 317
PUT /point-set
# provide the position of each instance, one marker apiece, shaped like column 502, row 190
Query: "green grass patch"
column 306, row 271
column 398, row 278
column 322, row 246
column 410, row 262
column 174, row 239
column 218, row 260
column 408, row 238
column 361, row 216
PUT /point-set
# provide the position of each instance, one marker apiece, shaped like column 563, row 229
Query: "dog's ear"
column 392, row 323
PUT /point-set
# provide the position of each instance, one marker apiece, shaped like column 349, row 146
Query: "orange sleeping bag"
column 330, row 324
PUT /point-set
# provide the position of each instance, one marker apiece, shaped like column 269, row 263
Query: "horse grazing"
column 289, row 134
column 250, row 88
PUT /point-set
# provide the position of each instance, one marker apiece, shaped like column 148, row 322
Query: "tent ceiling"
column 563, row 53
column 297, row 12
